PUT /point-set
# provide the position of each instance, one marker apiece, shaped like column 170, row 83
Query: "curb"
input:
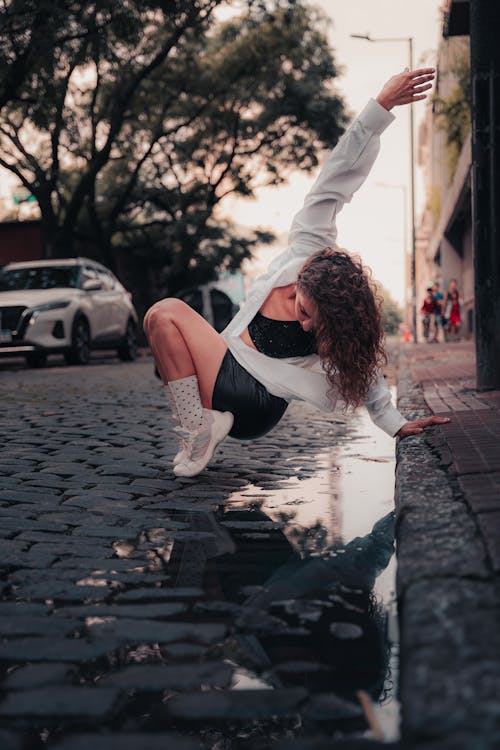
column 447, row 597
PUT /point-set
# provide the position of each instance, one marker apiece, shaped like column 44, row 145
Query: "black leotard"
column 281, row 338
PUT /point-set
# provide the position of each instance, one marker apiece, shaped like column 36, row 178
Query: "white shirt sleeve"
column 345, row 170
column 382, row 411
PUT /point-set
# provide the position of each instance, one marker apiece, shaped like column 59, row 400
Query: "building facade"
column 444, row 234
column 20, row 240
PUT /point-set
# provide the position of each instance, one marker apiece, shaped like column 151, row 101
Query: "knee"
column 163, row 313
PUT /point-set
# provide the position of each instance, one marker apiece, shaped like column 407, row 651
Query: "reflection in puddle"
column 91, row 621
column 300, row 573
column 324, row 575
column 243, row 679
column 353, row 485
column 123, row 549
column 93, row 582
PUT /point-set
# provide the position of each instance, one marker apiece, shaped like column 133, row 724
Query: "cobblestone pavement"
column 133, row 613
column 448, row 530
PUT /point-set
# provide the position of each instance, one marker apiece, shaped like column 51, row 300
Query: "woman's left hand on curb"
column 419, row 425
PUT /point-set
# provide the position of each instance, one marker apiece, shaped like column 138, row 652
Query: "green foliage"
column 392, row 315
column 453, row 113
column 434, row 203
column 131, row 122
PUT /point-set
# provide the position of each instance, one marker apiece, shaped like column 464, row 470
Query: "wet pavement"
column 251, row 607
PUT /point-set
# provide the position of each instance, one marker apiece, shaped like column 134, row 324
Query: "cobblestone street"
column 134, row 612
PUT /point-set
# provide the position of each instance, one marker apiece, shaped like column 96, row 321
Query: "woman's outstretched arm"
column 348, row 165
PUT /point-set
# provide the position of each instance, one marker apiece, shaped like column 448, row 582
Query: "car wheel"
column 128, row 349
column 79, row 353
column 36, row 359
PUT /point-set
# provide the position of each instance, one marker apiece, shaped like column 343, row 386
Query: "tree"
column 142, row 117
column 27, row 32
column 391, row 312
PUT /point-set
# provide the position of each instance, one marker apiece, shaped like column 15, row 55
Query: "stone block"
column 105, row 532
column 450, row 663
column 55, row 649
column 60, row 702
column 26, row 560
column 128, row 741
column 74, row 548
column 37, row 675
column 160, row 594
column 182, row 650
column 240, row 705
column 137, row 611
column 435, row 532
column 36, row 625
column 128, row 630
column 330, row 707
column 23, row 609
column 11, row 740
column 489, row 523
column 96, row 563
column 184, row 677
column 62, row 592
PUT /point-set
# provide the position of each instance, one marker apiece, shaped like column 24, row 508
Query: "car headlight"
column 35, row 311
column 51, row 306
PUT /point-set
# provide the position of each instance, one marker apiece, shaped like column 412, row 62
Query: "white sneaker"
column 184, row 438
column 216, row 426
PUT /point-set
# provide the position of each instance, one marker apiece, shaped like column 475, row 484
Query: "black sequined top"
column 281, row 338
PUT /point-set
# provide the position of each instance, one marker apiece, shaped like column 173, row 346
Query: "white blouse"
column 313, row 229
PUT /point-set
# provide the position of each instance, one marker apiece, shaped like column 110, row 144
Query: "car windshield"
column 39, row 277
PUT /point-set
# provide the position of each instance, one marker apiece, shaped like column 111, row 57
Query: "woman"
column 427, row 310
column 309, row 330
column 454, row 315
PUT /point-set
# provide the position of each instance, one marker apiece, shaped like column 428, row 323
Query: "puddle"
column 320, row 564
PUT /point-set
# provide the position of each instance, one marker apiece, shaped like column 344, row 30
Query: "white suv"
column 68, row 306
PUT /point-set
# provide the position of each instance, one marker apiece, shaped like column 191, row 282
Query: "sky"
column 375, row 224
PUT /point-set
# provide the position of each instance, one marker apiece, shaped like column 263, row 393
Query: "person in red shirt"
column 428, row 309
column 454, row 317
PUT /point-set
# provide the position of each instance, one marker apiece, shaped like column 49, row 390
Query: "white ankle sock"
column 185, row 395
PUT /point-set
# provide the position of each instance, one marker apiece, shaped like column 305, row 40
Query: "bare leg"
column 184, row 344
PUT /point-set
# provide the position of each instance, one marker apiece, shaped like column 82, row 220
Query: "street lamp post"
column 409, row 41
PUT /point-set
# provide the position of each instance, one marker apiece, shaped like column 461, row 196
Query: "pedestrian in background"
column 437, row 296
column 427, row 310
column 454, row 316
column 452, row 287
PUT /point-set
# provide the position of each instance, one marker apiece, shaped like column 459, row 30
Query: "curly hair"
column 347, row 323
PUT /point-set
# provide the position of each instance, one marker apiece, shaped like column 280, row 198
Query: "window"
column 105, row 279
column 89, row 274
column 39, row 277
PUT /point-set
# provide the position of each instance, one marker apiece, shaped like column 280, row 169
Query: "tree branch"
column 120, row 103
column 55, row 131
column 31, row 161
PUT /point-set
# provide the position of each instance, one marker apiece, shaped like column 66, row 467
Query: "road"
column 233, row 610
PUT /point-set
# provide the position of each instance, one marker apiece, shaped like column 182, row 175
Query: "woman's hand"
column 406, row 87
column 419, row 425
